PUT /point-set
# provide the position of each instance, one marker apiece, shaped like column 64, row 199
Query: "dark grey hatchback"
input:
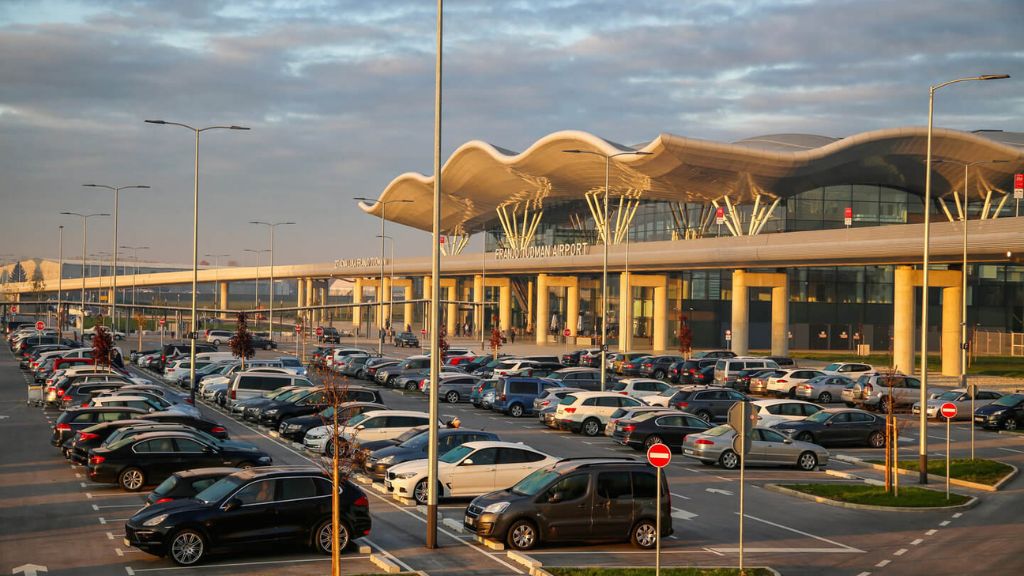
column 575, row 500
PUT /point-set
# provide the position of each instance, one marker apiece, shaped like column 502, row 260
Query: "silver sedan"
column 824, row 389
column 961, row 399
column 769, row 448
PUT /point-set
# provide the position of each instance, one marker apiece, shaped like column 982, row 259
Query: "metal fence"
column 997, row 343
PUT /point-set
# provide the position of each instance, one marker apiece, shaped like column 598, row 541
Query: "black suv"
column 407, row 340
column 251, row 507
column 329, row 335
column 578, row 500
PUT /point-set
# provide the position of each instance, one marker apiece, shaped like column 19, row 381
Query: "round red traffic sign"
column 298, row 327
column 319, row 331
column 14, row 309
column 567, row 332
column 40, row 325
column 948, row 410
column 162, row 321
column 423, row 332
column 659, row 455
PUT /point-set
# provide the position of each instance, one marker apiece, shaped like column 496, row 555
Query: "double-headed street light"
column 117, row 194
column 380, row 299
column 604, row 269
column 922, row 454
column 85, row 244
column 195, row 244
column 273, row 226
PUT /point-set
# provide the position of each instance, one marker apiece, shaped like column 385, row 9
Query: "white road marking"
column 718, row 491
column 389, row 555
column 883, row 564
column 809, row 535
column 169, row 568
column 96, row 507
column 917, row 541
column 118, row 551
column 900, row 552
column 944, row 523
column 681, row 514
column 680, row 496
column 713, row 551
column 864, row 574
column 747, row 550
column 1011, row 450
column 110, row 535
column 957, row 515
column 931, row 532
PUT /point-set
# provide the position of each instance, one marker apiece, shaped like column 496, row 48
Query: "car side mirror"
column 209, row 450
column 467, row 462
column 827, row 423
column 360, row 427
column 233, row 504
column 787, row 440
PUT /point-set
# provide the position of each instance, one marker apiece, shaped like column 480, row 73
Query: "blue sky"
column 339, row 96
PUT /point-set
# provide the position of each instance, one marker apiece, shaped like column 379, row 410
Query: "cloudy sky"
column 339, row 96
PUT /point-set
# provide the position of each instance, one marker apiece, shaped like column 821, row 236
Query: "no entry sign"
column 40, row 325
column 319, row 331
column 948, row 410
column 162, row 321
column 298, row 327
column 567, row 332
column 659, row 455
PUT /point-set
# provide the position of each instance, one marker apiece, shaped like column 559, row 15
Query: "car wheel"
column 329, row 449
column 876, row 440
column 216, row 342
column 659, row 374
column 419, row 493
column 410, row 385
column 592, row 427
column 131, row 479
column 825, row 398
column 522, row 535
column 705, row 416
column 323, row 539
column 791, row 393
column 652, row 440
column 883, row 405
column 644, row 534
column 267, row 347
column 805, row 437
column 451, row 397
column 729, row 460
column 1010, row 423
column 807, row 461
column 187, row 547
column 516, row 410
column 361, row 374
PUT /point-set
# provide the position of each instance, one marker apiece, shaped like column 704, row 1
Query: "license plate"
column 127, row 543
column 470, row 521
column 979, row 418
column 688, row 451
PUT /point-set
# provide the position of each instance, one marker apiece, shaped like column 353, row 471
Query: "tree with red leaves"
column 102, row 346
column 442, row 343
column 685, row 337
column 495, row 340
column 241, row 342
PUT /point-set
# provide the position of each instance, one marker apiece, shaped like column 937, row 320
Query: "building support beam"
column 407, row 309
column 357, row 297
column 780, row 319
column 740, row 324
column 625, row 312
column 223, row 299
column 505, row 305
column 904, row 308
column 541, row 324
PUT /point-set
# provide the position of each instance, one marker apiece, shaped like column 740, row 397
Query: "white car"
column 771, row 412
column 785, row 384
column 514, row 368
column 851, row 370
column 366, row 427
column 118, row 335
column 588, row 412
column 151, row 404
column 471, row 469
column 640, row 387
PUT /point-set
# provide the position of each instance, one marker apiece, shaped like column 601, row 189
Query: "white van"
column 212, row 357
column 252, row 384
column 727, row 369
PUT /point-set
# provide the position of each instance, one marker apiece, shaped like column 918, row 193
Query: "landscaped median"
column 685, row 571
column 866, row 496
column 979, row 474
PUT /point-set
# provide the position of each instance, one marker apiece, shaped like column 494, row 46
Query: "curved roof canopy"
column 479, row 177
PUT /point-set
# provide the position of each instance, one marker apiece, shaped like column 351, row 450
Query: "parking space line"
column 931, row 532
column 794, row 530
column 234, row 564
column 389, row 555
column 1010, row 450
column 900, row 552
column 917, row 541
column 883, row 563
column 944, row 523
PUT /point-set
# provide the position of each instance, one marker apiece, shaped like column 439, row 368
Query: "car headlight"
column 292, row 427
column 386, row 459
column 405, row 475
column 315, row 434
column 496, row 508
column 272, row 411
column 155, row 521
column 265, row 459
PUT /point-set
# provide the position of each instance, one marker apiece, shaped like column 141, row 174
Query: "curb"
column 385, row 564
column 453, row 525
column 942, row 479
column 828, row 501
column 492, row 544
column 849, row 476
column 1009, row 433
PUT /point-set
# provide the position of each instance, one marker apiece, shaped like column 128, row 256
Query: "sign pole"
column 657, row 528
column 948, row 456
column 948, row 411
column 743, row 465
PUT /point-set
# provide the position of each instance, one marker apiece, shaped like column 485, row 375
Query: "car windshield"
column 535, row 482
column 219, row 490
column 718, row 430
column 355, row 420
column 556, row 376
column 455, row 454
column 418, row 441
column 618, row 386
column 1009, row 400
column 832, row 367
column 166, row 486
column 950, row 395
column 819, row 417
column 409, row 435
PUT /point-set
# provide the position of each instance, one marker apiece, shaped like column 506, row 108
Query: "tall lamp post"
column 391, row 309
column 85, row 244
column 380, row 299
column 963, row 288
column 922, row 453
column 604, row 267
column 257, row 252
column 195, row 244
column 117, row 194
column 273, row 226
column 60, row 277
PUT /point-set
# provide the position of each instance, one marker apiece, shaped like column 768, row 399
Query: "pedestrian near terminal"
column 512, row 334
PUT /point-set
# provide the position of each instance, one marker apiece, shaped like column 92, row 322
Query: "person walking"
column 512, row 334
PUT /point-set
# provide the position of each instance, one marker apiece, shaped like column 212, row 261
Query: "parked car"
column 783, row 361
column 837, row 426
column 263, row 342
column 471, row 469
column 883, row 391
column 328, row 334
column 707, row 403
column 560, row 501
column 961, row 399
column 784, row 385
column 514, row 396
column 415, row 447
column 295, row 428
column 573, row 358
column 76, row 419
column 476, row 398
column 76, row 448
column 617, row 360
column 758, row 383
column 580, row 377
column 727, row 369
column 851, row 370
column 629, row 413
column 218, row 337
column 683, row 372
column 771, row 412
column 407, row 340
column 639, row 387
column 250, row 384
column 241, row 508
column 658, row 366
column 187, row 483
column 768, row 448
column 149, row 458
column 455, row 386
column 631, row 366
column 1006, row 413
column 714, row 354
column 411, row 365
column 668, row 427
column 588, row 412
column 825, row 389
column 365, row 427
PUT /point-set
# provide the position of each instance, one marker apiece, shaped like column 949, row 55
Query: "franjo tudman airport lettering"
column 357, row 262
column 552, row 250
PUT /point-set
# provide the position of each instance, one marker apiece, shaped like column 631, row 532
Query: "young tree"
column 102, row 346
column 241, row 342
column 495, row 340
column 685, row 337
column 442, row 343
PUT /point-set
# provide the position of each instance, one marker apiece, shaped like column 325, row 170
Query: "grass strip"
column 910, row 496
column 979, row 470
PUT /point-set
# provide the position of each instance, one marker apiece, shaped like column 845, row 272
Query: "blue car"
column 514, row 395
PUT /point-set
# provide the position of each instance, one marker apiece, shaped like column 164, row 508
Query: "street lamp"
column 257, row 252
column 195, row 244
column 117, row 194
column 922, row 453
column 85, row 244
column 604, row 267
column 391, row 309
column 380, row 300
column 963, row 289
column 60, row 277
column 273, row 226
column 135, row 271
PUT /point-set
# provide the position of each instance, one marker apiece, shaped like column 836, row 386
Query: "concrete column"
column 300, row 292
column 543, row 321
column 478, row 299
column 357, row 297
column 952, row 316
column 572, row 308
column 223, row 299
column 426, row 305
column 625, row 313
column 407, row 308
column 659, row 340
column 505, row 306
column 529, row 305
column 903, row 320
column 740, row 313
column 307, row 316
column 780, row 320
column 453, row 310
column 323, row 299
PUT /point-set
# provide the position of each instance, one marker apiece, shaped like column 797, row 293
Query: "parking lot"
column 54, row 517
